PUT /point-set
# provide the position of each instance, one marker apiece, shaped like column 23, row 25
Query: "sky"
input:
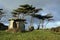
column 49, row 6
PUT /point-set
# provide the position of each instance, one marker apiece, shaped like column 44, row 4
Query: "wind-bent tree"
column 38, row 17
column 42, row 19
column 1, row 13
column 26, row 9
column 34, row 11
column 31, row 10
column 19, row 11
column 49, row 18
column 2, row 26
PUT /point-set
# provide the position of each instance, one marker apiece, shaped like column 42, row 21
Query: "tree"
column 42, row 19
column 31, row 10
column 49, row 18
column 26, row 9
column 1, row 13
column 19, row 11
column 2, row 26
column 38, row 17
column 34, row 11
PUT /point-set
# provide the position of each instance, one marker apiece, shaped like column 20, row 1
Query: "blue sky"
column 49, row 6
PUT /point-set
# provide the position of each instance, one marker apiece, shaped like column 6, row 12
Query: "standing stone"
column 17, row 25
column 11, row 24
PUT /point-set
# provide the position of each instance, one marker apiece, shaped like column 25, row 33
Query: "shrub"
column 57, row 29
column 3, row 27
column 31, row 28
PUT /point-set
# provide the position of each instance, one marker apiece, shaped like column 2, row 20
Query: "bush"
column 31, row 28
column 3, row 27
column 57, row 29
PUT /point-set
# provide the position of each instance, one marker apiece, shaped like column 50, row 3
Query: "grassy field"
column 34, row 35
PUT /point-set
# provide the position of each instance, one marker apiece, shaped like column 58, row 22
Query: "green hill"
column 34, row 35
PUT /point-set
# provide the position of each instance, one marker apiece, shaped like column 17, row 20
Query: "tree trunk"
column 39, row 25
column 23, row 16
column 42, row 24
column 31, row 21
column 17, row 16
column 46, row 24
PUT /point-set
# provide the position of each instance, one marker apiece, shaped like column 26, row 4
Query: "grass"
column 34, row 35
